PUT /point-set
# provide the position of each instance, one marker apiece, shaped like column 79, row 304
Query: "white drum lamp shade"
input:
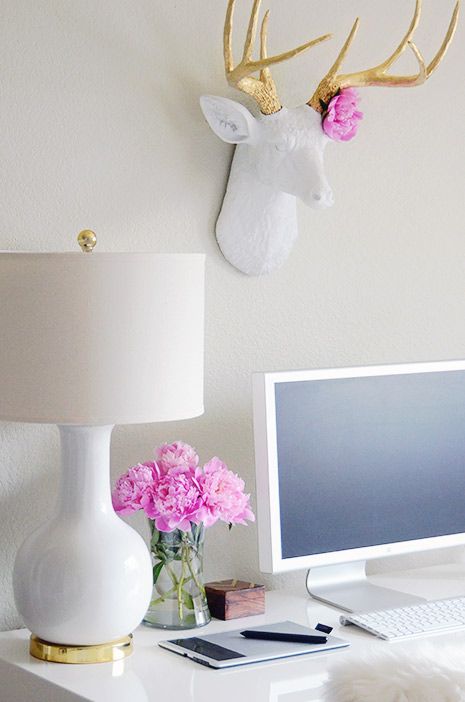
column 101, row 338
column 89, row 341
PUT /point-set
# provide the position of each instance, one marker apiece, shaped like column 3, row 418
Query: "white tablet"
column 231, row 649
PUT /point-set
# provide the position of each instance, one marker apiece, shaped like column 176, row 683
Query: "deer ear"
column 231, row 121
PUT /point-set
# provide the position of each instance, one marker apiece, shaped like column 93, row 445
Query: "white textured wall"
column 100, row 127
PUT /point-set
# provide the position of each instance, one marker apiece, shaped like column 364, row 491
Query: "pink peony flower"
column 175, row 493
column 174, row 455
column 133, row 488
column 223, row 495
column 175, row 500
column 341, row 119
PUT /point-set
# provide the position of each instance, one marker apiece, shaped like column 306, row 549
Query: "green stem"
column 172, row 574
column 162, row 599
column 195, row 578
column 181, row 581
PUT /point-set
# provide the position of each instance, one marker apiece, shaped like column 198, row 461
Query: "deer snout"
column 320, row 198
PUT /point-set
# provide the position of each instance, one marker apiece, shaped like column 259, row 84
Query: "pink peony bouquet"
column 341, row 118
column 175, row 492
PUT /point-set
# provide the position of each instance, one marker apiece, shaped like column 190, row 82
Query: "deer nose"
column 322, row 198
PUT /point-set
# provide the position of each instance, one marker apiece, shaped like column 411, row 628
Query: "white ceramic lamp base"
column 84, row 578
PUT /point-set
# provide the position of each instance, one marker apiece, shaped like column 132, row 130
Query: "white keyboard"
column 432, row 617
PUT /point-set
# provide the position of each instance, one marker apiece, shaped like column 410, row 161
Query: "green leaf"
column 155, row 538
column 156, row 571
column 174, row 538
column 187, row 600
column 167, row 553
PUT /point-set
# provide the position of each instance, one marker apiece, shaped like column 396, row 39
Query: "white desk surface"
column 152, row 674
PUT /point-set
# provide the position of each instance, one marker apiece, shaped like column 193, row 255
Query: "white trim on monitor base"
column 347, row 587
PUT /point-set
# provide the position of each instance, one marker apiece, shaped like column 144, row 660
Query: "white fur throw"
column 430, row 673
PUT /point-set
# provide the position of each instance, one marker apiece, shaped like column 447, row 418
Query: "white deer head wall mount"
column 279, row 155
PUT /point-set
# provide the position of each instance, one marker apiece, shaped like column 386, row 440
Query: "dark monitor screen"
column 366, row 461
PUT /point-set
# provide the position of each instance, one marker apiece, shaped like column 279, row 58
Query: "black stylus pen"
column 278, row 636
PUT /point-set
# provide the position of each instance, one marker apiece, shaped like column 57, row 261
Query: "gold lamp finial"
column 87, row 240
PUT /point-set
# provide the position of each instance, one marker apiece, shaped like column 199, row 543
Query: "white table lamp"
column 88, row 341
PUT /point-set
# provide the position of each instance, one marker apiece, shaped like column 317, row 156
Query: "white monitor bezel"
column 266, row 461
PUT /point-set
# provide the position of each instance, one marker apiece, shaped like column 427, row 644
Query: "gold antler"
column 262, row 89
column 376, row 76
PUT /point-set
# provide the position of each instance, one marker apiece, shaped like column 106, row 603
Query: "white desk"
column 154, row 675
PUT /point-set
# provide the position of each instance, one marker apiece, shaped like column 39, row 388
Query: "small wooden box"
column 229, row 599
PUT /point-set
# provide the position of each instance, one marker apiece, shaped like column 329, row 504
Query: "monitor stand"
column 347, row 587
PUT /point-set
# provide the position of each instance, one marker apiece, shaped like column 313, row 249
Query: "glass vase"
column 178, row 597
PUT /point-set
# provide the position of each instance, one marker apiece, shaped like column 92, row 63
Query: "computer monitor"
column 358, row 463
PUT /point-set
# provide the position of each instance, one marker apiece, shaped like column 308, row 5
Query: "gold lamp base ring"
column 98, row 653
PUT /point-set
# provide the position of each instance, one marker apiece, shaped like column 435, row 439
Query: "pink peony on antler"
column 341, row 120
